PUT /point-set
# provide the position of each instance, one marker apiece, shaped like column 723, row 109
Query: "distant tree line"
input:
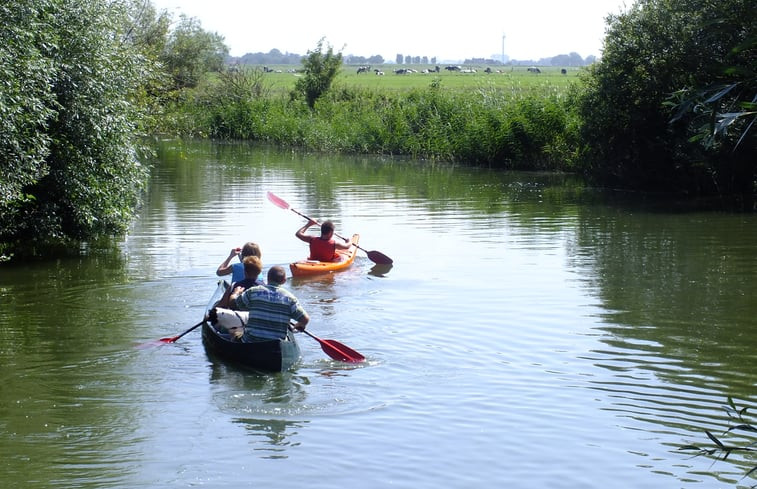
column 273, row 57
column 276, row 57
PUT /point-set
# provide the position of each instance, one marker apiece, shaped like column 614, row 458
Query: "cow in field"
column 533, row 69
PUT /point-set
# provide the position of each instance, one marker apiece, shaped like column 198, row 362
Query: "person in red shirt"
column 323, row 247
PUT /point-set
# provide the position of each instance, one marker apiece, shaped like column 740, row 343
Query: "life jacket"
column 322, row 250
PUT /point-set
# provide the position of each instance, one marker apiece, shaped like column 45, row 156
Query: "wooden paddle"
column 374, row 256
column 336, row 350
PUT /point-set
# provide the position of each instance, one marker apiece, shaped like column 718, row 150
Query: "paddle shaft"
column 374, row 256
column 336, row 350
column 174, row 338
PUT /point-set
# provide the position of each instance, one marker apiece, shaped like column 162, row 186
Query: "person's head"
column 277, row 275
column 327, row 229
column 251, row 249
column 252, row 266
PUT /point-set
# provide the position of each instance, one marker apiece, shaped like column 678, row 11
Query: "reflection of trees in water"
column 679, row 294
column 683, row 286
column 272, row 435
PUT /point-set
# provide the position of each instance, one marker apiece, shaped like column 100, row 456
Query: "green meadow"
column 511, row 118
column 514, row 79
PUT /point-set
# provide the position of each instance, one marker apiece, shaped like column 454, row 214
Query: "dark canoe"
column 268, row 356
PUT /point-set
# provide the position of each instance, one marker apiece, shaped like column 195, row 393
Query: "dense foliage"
column 191, row 52
column 69, row 166
column 77, row 80
column 642, row 124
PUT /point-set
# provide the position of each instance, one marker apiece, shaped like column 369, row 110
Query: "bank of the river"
column 502, row 120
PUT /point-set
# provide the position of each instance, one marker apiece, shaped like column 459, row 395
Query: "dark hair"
column 327, row 227
column 277, row 275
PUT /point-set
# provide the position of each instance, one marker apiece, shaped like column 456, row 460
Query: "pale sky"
column 532, row 29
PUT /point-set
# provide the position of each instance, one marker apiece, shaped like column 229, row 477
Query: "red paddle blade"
column 154, row 343
column 277, row 200
column 340, row 352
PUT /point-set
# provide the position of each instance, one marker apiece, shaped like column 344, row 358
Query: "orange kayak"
column 305, row 268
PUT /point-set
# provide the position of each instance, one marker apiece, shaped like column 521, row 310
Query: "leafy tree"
column 148, row 29
column 399, row 59
column 320, row 69
column 725, row 111
column 190, row 52
column 656, row 48
column 26, row 105
column 69, row 153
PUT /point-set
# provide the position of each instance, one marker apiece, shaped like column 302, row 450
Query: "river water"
column 532, row 332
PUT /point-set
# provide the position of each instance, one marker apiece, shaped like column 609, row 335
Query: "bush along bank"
column 481, row 127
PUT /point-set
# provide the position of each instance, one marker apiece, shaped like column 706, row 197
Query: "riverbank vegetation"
column 669, row 108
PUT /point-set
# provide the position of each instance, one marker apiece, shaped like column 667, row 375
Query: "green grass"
column 512, row 119
column 512, row 79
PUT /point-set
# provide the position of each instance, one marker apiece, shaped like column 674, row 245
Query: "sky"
column 532, row 29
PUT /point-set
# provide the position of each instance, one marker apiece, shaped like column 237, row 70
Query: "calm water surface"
column 531, row 333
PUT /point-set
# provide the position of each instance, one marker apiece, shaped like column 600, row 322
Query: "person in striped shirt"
column 271, row 308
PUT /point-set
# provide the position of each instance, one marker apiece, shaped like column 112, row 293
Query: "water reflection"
column 519, row 307
column 380, row 270
column 273, row 437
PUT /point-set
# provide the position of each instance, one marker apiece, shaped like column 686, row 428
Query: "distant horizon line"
column 496, row 58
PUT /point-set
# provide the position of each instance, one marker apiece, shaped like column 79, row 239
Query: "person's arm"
column 343, row 246
column 302, row 323
column 225, row 267
column 301, row 232
column 233, row 297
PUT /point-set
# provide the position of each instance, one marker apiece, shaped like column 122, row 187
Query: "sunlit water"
column 531, row 333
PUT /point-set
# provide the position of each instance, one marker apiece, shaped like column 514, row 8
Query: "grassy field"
column 513, row 79
column 512, row 119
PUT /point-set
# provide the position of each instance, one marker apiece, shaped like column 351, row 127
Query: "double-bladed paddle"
column 374, row 256
column 336, row 350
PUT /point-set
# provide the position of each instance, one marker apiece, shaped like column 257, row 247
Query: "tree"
column 190, row 52
column 68, row 163
column 320, row 69
column 399, row 58
column 26, row 105
column 655, row 49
